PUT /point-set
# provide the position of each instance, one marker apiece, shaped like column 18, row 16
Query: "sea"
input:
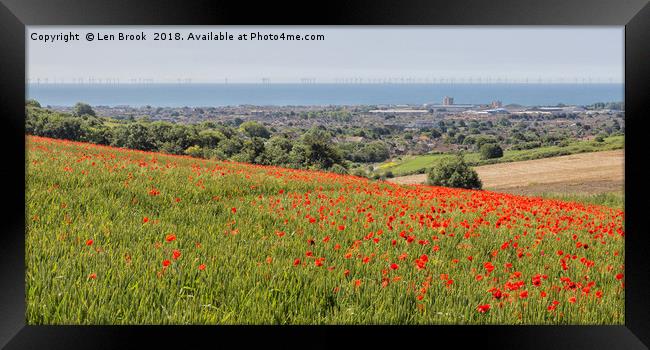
column 275, row 94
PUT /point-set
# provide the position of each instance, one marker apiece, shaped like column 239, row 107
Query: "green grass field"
column 419, row 164
column 118, row 236
column 612, row 199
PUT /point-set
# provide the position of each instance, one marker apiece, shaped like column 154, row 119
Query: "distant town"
column 374, row 133
column 420, row 115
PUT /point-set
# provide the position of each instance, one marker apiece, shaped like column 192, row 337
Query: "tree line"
column 249, row 142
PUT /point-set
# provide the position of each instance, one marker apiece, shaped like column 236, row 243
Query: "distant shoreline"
column 276, row 94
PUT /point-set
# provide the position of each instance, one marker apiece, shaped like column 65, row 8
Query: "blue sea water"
column 214, row 95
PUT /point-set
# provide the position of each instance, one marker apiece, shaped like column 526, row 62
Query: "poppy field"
column 117, row 236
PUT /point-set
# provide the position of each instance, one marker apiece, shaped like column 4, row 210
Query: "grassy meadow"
column 117, row 236
column 419, row 164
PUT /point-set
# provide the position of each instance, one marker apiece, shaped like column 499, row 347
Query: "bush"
column 194, row 151
column 32, row 103
column 339, row 169
column 454, row 172
column 359, row 172
column 82, row 109
column 491, row 151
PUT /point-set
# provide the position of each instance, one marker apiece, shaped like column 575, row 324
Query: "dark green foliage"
column 320, row 152
column 82, row 109
column 248, row 143
column 339, row 169
column 255, row 129
column 491, row 151
column 454, row 172
column 362, row 152
column 600, row 137
column 32, row 103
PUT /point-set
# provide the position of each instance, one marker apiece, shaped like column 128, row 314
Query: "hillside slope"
column 118, row 236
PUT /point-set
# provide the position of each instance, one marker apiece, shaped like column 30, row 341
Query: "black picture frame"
column 16, row 14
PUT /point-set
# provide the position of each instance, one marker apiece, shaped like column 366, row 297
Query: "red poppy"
column 89, row 242
column 92, row 276
column 202, row 267
column 166, row 263
column 483, row 308
column 145, row 220
column 176, row 254
column 394, row 266
column 234, row 210
column 619, row 276
column 170, row 237
column 296, row 262
column 488, row 267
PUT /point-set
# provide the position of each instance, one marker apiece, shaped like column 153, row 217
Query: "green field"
column 419, row 164
column 116, row 236
column 612, row 199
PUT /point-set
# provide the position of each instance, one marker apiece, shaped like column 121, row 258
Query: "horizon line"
column 47, row 82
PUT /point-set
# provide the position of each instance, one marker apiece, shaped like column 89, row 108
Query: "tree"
column 82, row 109
column 490, row 151
column 600, row 137
column 454, row 172
column 255, row 129
column 277, row 150
column 484, row 139
column 210, row 138
column 230, row 147
column 320, row 153
column 32, row 103
column 251, row 151
column 134, row 136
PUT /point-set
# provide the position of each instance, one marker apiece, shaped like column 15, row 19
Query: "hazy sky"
column 561, row 54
